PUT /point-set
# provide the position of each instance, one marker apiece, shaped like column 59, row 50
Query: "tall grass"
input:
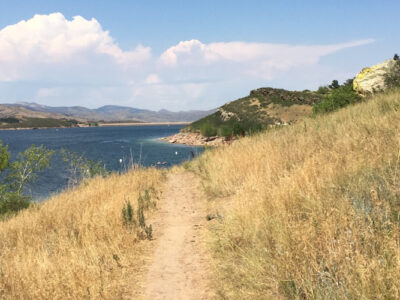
column 316, row 207
column 75, row 245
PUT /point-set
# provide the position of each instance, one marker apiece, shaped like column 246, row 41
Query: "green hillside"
column 261, row 108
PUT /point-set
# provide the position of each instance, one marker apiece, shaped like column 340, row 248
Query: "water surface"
column 106, row 144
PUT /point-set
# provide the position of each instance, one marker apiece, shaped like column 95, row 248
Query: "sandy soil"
column 179, row 267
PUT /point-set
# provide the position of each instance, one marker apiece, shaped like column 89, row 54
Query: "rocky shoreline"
column 195, row 139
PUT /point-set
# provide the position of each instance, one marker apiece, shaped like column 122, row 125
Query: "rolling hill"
column 261, row 108
column 21, row 117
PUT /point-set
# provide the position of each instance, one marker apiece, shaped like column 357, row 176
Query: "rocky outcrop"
column 195, row 139
column 371, row 80
column 227, row 115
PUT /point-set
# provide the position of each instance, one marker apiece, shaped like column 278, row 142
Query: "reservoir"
column 114, row 146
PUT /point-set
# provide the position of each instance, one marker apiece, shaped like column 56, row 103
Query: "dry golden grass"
column 316, row 207
column 75, row 246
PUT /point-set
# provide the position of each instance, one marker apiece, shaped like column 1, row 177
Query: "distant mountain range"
column 108, row 113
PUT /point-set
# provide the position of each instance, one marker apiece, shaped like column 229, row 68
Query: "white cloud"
column 77, row 62
column 152, row 79
column 262, row 60
column 191, row 50
column 47, row 40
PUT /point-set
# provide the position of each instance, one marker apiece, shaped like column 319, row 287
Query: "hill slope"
column 76, row 245
column 263, row 107
column 310, row 211
column 21, row 117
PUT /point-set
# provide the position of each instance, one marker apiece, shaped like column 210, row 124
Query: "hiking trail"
column 179, row 268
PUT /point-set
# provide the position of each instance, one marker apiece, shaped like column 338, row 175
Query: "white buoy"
column 120, row 160
column 176, row 152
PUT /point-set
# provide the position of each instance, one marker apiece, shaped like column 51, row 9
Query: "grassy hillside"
column 308, row 211
column 263, row 107
column 77, row 245
column 313, row 209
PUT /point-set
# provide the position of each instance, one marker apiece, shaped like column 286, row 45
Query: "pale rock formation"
column 227, row 115
column 371, row 80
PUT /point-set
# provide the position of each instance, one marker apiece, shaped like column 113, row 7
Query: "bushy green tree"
column 28, row 163
column 334, row 85
column 16, row 174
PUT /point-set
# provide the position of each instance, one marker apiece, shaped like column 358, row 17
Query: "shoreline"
column 37, row 128
column 103, row 125
column 195, row 139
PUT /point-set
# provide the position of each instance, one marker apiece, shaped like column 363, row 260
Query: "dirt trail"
column 179, row 266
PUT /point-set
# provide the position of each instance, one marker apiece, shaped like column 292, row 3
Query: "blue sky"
column 185, row 54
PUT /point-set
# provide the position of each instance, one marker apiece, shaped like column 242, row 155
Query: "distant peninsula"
column 25, row 115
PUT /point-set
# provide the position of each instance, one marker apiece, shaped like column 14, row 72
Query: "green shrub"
column 226, row 131
column 208, row 130
column 15, row 175
column 392, row 78
column 253, row 128
column 238, row 129
column 337, row 98
column 128, row 214
column 139, row 224
column 4, row 157
column 13, row 202
column 323, row 90
column 80, row 168
column 143, row 204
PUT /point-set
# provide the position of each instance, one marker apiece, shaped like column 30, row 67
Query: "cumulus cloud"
column 77, row 62
column 47, row 40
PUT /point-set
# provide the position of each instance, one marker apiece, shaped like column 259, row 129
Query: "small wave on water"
column 137, row 144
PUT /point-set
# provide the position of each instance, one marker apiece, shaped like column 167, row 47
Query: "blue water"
column 106, row 144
